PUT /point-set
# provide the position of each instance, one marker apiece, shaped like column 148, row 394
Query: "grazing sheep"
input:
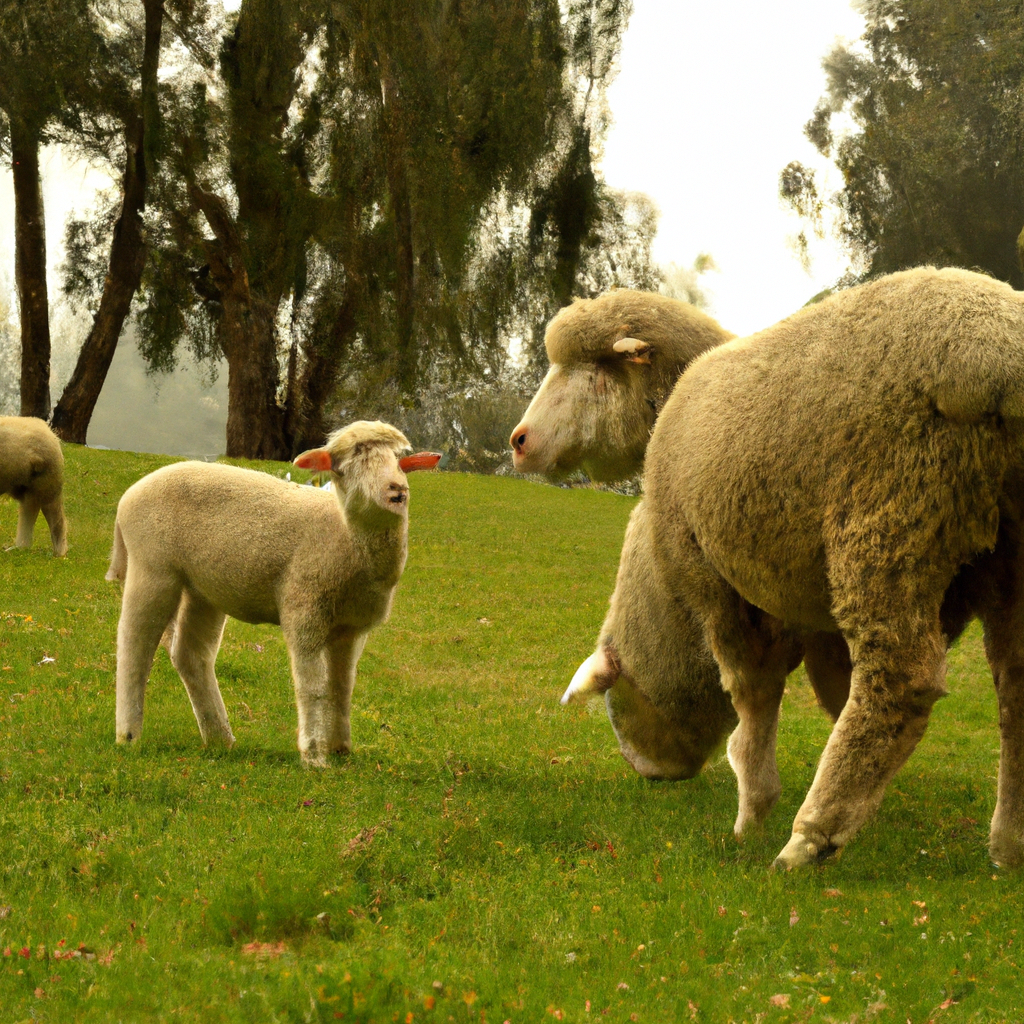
column 32, row 472
column 614, row 361
column 856, row 471
column 196, row 542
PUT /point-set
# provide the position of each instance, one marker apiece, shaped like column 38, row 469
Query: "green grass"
column 480, row 837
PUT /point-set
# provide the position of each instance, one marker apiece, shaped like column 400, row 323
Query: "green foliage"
column 480, row 837
column 932, row 169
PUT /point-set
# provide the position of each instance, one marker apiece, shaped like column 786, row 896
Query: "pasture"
column 484, row 855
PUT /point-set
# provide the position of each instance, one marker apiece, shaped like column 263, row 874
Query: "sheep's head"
column 368, row 472
column 591, row 414
column 660, row 681
column 614, row 360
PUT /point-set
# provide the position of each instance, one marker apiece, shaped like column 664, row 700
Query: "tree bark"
column 127, row 254
column 30, row 270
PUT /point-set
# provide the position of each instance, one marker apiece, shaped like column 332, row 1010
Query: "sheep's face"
column 594, row 416
column 368, row 473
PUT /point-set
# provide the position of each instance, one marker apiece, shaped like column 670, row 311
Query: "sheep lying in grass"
column 32, row 472
column 856, row 471
column 614, row 361
column 196, row 542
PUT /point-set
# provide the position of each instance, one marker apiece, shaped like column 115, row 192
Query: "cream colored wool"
column 197, row 542
column 614, row 361
column 32, row 472
column 855, row 473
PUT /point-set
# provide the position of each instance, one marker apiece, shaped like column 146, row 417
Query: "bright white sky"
column 709, row 107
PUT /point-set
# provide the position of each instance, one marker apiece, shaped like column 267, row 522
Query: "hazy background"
column 708, row 108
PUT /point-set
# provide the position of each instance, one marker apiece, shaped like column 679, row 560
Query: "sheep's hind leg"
column 898, row 674
column 193, row 644
column 28, row 513
column 54, row 514
column 343, row 657
column 1004, row 646
column 147, row 605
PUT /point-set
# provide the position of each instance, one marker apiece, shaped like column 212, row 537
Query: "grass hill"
column 484, row 855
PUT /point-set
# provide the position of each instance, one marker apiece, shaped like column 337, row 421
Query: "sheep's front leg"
column 343, row 657
column 898, row 674
column 54, row 513
column 149, row 601
column 28, row 513
column 194, row 642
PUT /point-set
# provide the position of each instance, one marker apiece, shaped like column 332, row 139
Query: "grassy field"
column 484, row 855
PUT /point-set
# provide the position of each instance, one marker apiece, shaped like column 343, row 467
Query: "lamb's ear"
column 597, row 674
column 316, row 459
column 635, row 350
column 421, row 460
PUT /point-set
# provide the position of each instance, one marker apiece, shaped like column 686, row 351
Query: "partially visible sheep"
column 854, row 474
column 614, row 361
column 32, row 472
column 196, row 542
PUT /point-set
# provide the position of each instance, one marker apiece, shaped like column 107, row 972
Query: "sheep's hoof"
column 801, row 852
column 1006, row 852
column 219, row 741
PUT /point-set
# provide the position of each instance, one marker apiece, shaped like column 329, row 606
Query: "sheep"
column 196, row 542
column 853, row 473
column 614, row 360
column 32, row 472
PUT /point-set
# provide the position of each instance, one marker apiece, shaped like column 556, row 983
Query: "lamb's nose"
column 518, row 439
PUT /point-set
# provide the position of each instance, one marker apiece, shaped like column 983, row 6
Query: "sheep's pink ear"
column 421, row 460
column 316, row 459
column 635, row 350
column 597, row 674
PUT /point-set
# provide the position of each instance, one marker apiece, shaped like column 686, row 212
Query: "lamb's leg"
column 54, row 513
column 313, row 698
column 194, row 643
column 342, row 656
column 898, row 674
column 28, row 513
column 149, row 601
column 827, row 663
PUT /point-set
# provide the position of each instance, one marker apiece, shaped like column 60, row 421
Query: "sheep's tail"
column 118, row 556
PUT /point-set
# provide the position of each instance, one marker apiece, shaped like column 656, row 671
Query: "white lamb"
column 32, row 472
column 197, row 542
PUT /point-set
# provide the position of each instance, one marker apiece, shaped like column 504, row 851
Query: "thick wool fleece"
column 196, row 542
column 858, row 468
column 32, row 472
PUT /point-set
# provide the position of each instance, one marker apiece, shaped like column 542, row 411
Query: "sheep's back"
column 881, row 411
column 30, row 455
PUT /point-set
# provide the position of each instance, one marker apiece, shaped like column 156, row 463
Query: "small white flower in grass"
column 570, row 957
column 47, row 660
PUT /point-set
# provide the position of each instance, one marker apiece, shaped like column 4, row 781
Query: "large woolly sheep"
column 196, row 542
column 32, row 472
column 857, row 471
column 614, row 361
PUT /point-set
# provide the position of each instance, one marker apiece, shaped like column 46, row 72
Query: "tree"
column 373, row 191
column 40, row 42
column 136, row 114
column 932, row 169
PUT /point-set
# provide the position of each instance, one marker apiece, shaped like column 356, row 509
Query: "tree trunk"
column 30, row 270
column 127, row 255
column 255, row 428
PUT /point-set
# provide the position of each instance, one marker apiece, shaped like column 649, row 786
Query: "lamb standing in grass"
column 196, row 542
column 32, row 472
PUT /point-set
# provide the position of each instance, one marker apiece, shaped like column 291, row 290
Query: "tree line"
column 346, row 199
